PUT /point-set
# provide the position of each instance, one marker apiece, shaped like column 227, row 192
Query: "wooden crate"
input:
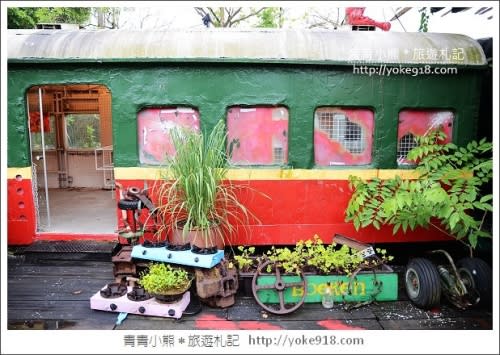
column 382, row 286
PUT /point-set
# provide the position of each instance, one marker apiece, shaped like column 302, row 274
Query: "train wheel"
column 422, row 283
column 476, row 273
column 128, row 204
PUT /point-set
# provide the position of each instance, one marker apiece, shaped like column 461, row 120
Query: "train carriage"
column 304, row 110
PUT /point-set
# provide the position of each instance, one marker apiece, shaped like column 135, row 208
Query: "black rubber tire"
column 482, row 278
column 128, row 204
column 422, row 283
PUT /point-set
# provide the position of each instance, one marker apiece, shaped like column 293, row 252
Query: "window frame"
column 416, row 128
column 161, row 124
column 278, row 139
column 327, row 147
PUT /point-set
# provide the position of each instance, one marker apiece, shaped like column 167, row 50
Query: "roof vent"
column 57, row 26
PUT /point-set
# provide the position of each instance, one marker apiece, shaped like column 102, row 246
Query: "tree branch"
column 217, row 19
column 230, row 15
column 247, row 16
column 200, row 11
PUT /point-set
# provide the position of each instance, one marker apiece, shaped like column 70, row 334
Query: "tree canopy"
column 28, row 17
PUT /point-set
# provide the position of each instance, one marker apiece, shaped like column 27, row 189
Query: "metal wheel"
column 477, row 275
column 279, row 286
column 124, row 204
column 422, row 283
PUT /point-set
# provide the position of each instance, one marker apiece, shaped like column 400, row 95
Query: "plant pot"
column 151, row 244
column 173, row 295
column 168, row 298
column 178, row 238
column 212, row 238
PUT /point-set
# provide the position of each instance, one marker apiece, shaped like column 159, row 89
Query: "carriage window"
column 414, row 123
column 257, row 135
column 155, row 124
column 83, row 130
column 342, row 136
column 48, row 130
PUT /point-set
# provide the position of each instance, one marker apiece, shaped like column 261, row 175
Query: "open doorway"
column 72, row 158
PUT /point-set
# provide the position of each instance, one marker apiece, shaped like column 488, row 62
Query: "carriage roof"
column 214, row 45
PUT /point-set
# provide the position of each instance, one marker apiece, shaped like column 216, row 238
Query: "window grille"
column 278, row 156
column 405, row 144
column 343, row 136
column 340, row 129
column 419, row 122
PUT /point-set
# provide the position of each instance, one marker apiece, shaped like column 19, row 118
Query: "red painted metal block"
column 21, row 224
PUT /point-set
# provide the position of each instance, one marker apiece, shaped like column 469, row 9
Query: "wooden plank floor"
column 54, row 293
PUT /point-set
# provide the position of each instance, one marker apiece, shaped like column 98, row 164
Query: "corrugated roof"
column 341, row 47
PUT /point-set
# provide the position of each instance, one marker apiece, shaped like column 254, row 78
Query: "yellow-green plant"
column 314, row 255
column 164, row 279
column 246, row 260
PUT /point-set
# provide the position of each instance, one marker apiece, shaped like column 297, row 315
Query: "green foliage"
column 21, row 17
column 78, row 15
column 28, row 17
column 246, row 260
column 271, row 17
column 193, row 188
column 449, row 189
column 83, row 130
column 165, row 279
column 311, row 255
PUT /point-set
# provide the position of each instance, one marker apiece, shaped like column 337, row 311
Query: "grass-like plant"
column 194, row 193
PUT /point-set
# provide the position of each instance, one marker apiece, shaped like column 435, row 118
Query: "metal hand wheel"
column 279, row 286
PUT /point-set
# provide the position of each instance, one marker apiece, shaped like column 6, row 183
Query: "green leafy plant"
column 164, row 279
column 291, row 260
column 246, row 260
column 314, row 256
column 448, row 194
column 327, row 259
column 194, row 193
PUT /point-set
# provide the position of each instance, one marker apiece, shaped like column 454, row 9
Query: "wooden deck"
column 52, row 291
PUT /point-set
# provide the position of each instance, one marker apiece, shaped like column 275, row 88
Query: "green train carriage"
column 88, row 109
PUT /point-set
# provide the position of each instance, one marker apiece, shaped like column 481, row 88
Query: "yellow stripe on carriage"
column 24, row 173
column 153, row 173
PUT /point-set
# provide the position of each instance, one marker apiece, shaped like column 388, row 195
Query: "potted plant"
column 165, row 282
column 196, row 202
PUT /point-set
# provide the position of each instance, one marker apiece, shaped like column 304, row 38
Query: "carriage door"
column 72, row 159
